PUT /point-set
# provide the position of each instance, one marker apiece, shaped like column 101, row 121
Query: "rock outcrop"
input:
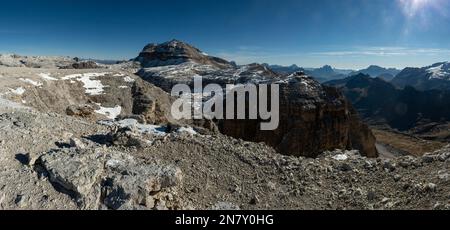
column 82, row 65
column 85, row 110
column 313, row 119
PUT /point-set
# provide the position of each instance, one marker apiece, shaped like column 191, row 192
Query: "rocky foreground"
column 53, row 161
column 103, row 138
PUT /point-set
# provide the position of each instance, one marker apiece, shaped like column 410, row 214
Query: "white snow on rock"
column 141, row 128
column 157, row 130
column 46, row 76
column 110, row 113
column 128, row 79
column 340, row 157
column 439, row 72
column 18, row 91
column 188, row 130
column 35, row 83
column 123, row 87
column 92, row 86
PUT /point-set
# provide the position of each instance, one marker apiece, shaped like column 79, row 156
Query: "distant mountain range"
column 379, row 100
column 436, row 76
column 377, row 71
column 284, row 69
column 327, row 72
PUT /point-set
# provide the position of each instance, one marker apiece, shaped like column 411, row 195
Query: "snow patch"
column 110, row 113
column 438, row 72
column 18, row 91
column 35, row 83
column 128, row 79
column 93, row 87
column 141, row 128
column 46, row 76
column 156, row 130
column 188, row 130
column 340, row 157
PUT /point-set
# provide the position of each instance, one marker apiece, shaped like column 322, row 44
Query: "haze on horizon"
column 342, row 33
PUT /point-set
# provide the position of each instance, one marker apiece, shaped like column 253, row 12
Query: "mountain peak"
column 175, row 52
column 327, row 67
column 375, row 67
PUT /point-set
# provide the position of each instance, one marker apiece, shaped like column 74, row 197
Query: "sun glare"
column 412, row 7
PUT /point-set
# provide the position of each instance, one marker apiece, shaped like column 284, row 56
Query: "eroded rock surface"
column 98, row 178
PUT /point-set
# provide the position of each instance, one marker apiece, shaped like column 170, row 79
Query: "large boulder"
column 100, row 178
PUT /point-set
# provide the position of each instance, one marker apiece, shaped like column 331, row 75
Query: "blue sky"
column 343, row 33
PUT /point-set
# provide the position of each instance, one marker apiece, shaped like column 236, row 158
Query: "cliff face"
column 313, row 119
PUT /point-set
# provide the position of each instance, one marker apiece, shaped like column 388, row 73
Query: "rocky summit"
column 176, row 52
column 86, row 136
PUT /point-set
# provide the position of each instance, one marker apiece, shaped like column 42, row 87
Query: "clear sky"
column 342, row 33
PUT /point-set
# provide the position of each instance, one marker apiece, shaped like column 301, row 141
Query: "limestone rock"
column 96, row 177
